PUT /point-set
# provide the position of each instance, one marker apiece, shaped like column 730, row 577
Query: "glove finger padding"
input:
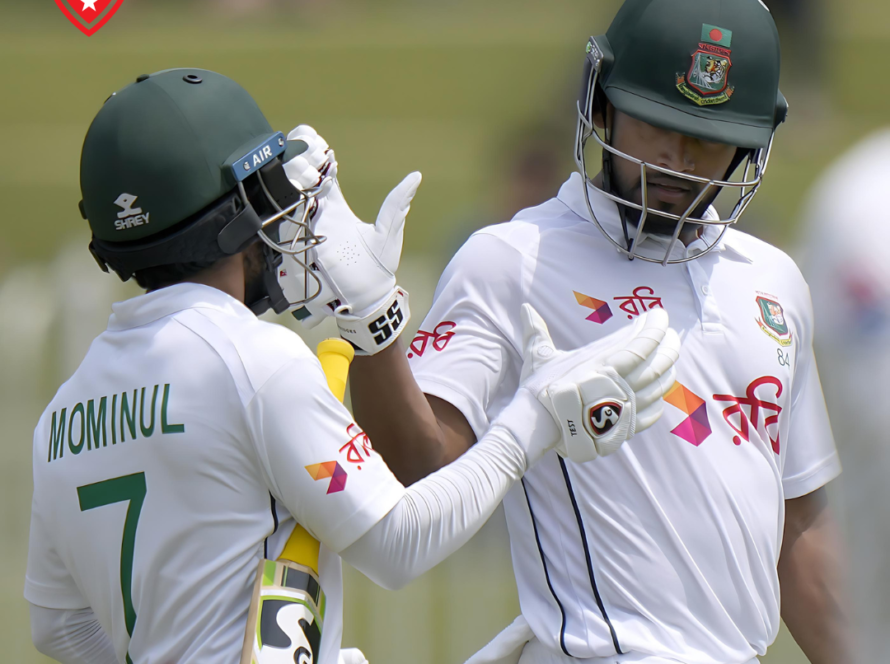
column 646, row 418
column 314, row 162
column 654, row 392
column 318, row 153
column 652, row 327
column 659, row 362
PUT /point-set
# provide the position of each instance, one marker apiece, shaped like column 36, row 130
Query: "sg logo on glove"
column 604, row 416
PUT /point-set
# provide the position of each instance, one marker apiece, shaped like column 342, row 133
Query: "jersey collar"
column 145, row 309
column 572, row 196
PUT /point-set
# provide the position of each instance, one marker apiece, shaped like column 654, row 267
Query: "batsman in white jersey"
column 690, row 542
column 194, row 436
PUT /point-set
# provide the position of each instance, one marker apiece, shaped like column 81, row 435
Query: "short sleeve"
column 465, row 351
column 47, row 581
column 812, row 460
column 316, row 460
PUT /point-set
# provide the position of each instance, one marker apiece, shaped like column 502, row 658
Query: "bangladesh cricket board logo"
column 89, row 16
column 707, row 81
column 772, row 320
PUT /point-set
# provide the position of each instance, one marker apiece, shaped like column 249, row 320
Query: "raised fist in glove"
column 603, row 393
column 357, row 264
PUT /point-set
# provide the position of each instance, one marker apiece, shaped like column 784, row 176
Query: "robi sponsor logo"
column 354, row 453
column 750, row 423
column 637, row 303
column 760, row 420
column 438, row 339
column 129, row 216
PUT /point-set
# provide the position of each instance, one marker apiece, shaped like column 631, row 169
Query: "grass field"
column 448, row 88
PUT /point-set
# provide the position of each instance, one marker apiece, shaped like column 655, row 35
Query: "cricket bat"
column 288, row 604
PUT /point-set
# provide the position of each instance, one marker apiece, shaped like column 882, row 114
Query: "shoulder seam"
column 216, row 352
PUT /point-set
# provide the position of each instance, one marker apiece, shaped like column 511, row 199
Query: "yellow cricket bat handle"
column 335, row 356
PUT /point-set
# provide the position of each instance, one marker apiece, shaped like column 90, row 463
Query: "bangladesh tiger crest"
column 772, row 320
column 707, row 81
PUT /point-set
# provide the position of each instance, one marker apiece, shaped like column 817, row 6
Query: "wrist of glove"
column 530, row 424
column 600, row 395
column 372, row 331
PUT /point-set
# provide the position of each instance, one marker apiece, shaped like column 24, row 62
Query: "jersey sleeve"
column 315, row 459
column 466, row 350
column 812, row 460
column 47, row 582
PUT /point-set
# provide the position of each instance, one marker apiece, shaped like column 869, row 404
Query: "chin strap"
column 270, row 296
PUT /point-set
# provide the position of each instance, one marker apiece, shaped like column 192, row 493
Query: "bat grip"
column 335, row 356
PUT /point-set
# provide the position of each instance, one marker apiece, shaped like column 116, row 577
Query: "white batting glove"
column 314, row 163
column 313, row 167
column 352, row 656
column 357, row 261
column 603, row 393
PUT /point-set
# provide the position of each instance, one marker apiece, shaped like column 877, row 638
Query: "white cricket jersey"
column 177, row 455
column 669, row 546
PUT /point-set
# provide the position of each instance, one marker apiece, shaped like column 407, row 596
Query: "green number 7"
column 118, row 490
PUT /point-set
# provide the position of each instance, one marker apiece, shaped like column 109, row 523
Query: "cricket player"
column 678, row 547
column 193, row 436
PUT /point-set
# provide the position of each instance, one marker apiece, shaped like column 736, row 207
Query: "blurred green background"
column 478, row 95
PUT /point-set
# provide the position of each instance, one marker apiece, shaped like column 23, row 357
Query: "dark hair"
column 153, row 278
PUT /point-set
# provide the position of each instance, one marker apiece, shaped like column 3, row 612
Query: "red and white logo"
column 743, row 423
column 604, row 416
column 358, row 450
column 439, row 338
column 642, row 300
column 89, row 16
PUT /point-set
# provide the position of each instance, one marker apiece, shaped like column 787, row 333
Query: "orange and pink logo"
column 601, row 311
column 695, row 428
column 329, row 469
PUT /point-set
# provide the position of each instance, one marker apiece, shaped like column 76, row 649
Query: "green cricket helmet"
column 182, row 167
column 703, row 68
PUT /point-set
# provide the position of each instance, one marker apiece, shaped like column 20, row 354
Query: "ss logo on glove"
column 604, row 416
column 382, row 328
